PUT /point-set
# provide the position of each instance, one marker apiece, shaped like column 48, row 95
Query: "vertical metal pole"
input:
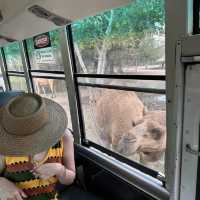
column 177, row 127
column 4, row 70
column 77, row 92
column 69, row 79
column 26, row 67
column 177, row 24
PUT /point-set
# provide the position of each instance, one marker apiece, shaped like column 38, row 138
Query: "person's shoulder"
column 68, row 136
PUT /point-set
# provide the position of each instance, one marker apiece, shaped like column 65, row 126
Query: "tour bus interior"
column 122, row 70
column 71, row 70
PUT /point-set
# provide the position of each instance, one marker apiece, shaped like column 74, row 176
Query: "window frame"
column 41, row 73
column 45, row 74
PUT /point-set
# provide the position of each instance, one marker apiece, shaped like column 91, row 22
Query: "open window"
column 119, row 58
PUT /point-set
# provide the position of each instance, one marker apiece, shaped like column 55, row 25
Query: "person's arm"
column 8, row 190
column 66, row 172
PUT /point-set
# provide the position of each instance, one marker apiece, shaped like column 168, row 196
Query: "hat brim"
column 42, row 140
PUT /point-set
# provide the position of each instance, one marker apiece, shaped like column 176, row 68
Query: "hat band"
column 23, row 126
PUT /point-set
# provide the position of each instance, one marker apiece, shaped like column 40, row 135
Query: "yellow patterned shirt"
column 18, row 170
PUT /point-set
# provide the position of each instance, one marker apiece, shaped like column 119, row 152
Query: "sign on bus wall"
column 44, row 56
column 42, row 41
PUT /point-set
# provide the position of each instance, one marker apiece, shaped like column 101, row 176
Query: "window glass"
column 126, row 40
column 18, row 83
column 55, row 90
column 2, row 86
column 48, row 58
column 13, row 57
column 132, row 124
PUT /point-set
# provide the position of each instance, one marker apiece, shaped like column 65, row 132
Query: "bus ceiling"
column 21, row 19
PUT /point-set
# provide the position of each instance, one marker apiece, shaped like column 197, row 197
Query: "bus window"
column 14, row 67
column 18, row 83
column 120, row 70
column 13, row 57
column 46, row 68
column 54, row 89
column 48, row 58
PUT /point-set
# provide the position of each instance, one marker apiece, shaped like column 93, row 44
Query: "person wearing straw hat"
column 36, row 151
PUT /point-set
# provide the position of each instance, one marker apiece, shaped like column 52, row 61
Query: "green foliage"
column 30, row 46
column 13, row 57
column 55, row 39
column 12, row 49
column 128, row 23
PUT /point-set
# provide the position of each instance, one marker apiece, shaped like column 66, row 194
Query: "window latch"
column 192, row 151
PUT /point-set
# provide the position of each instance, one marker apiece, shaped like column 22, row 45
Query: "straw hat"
column 30, row 124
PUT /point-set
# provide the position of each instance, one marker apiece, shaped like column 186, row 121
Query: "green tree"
column 124, row 26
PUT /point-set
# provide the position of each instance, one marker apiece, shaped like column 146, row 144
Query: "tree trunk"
column 102, row 59
column 80, row 59
column 103, row 52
